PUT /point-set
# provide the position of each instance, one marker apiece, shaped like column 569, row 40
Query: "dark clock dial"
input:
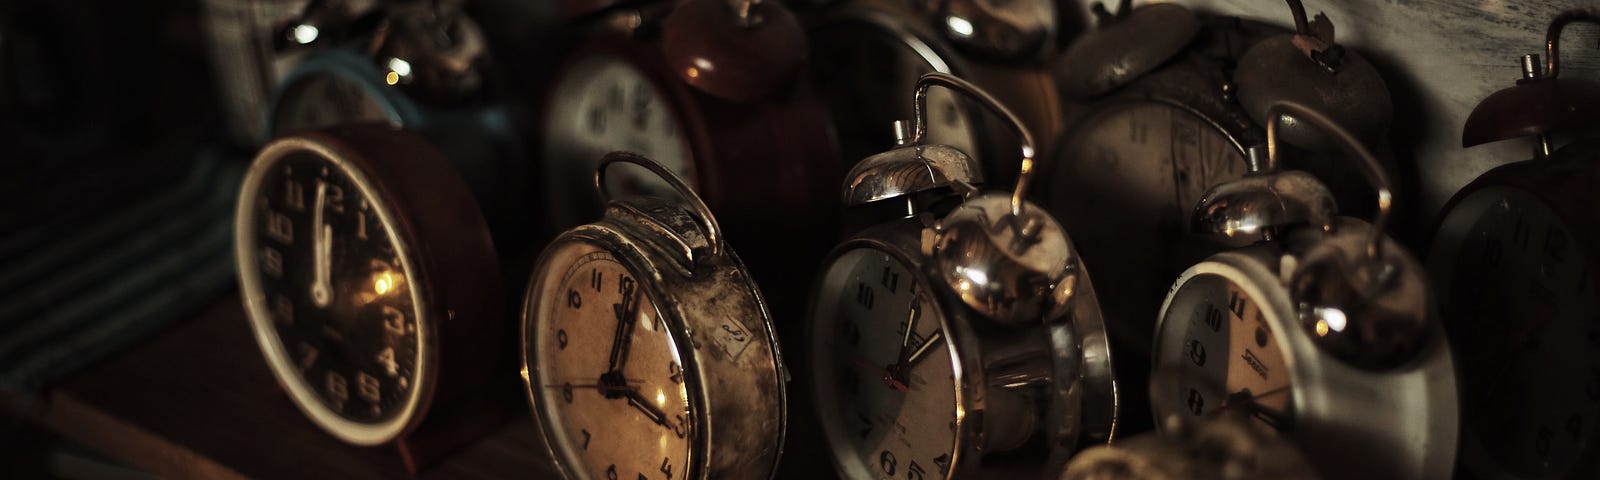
column 331, row 276
column 1525, row 318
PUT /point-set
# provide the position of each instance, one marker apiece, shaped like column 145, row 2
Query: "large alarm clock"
column 1326, row 329
column 422, row 66
column 371, row 285
column 1513, row 260
column 960, row 336
column 647, row 349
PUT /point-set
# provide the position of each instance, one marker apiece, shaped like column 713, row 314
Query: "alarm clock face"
column 331, row 295
column 1518, row 293
column 603, row 366
column 885, row 381
column 1218, row 343
column 1135, row 170
column 865, row 71
column 324, row 99
column 604, row 104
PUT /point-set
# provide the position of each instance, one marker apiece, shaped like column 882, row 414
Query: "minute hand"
column 625, row 311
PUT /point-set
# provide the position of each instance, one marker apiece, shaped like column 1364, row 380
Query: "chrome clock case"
column 713, row 310
column 1018, row 315
column 1345, row 326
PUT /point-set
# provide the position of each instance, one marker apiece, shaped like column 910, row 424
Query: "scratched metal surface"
column 1439, row 58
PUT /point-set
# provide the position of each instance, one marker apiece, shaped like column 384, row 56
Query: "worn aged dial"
column 611, row 382
column 1219, row 346
column 321, row 99
column 334, row 283
column 602, row 104
column 1529, row 386
column 885, row 384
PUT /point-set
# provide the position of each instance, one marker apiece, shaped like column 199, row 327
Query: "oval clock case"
column 1140, row 149
column 768, row 166
column 426, row 305
column 397, row 73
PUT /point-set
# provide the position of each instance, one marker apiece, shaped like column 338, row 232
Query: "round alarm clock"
column 1513, row 264
column 1326, row 328
column 369, row 280
column 647, row 348
column 422, row 66
column 961, row 336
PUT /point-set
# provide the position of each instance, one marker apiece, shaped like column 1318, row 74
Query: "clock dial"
column 1135, row 170
column 885, row 384
column 321, row 100
column 601, row 105
column 608, row 382
column 1525, row 319
column 865, row 71
column 330, row 277
column 1219, row 346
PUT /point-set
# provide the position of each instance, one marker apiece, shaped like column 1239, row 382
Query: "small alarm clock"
column 1326, row 328
column 959, row 336
column 647, row 349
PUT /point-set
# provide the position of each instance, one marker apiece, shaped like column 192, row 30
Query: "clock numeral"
column 887, row 462
column 1196, row 352
column 597, row 120
column 394, row 321
column 611, row 472
column 335, row 199
column 1236, row 304
column 573, row 299
column 338, row 389
column 561, row 338
column 681, row 428
column 914, row 471
column 1195, row 401
column 272, row 262
column 596, row 279
column 943, row 462
column 864, row 295
column 585, row 438
column 308, row 356
column 294, row 195
column 891, row 280
column 280, row 227
column 283, row 310
column 386, row 358
column 367, row 387
column 674, row 372
column 666, row 467
column 566, row 392
column 1213, row 318
column 1555, row 242
column 361, row 220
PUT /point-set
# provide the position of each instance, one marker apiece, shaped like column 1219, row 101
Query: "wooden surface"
column 199, row 402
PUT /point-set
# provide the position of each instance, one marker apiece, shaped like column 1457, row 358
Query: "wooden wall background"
column 1439, row 58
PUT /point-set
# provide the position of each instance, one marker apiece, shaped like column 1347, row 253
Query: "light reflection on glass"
column 960, row 25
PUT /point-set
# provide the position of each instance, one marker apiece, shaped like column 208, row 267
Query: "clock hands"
column 898, row 374
column 322, row 248
column 1273, row 418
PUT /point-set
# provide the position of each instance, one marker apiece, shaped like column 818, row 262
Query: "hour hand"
column 654, row 413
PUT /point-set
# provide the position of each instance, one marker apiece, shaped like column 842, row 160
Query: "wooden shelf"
column 199, row 402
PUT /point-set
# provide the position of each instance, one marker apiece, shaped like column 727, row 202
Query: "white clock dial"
column 1219, row 345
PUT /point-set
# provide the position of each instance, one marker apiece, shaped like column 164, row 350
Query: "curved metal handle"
column 919, row 127
column 713, row 231
column 1552, row 38
column 1373, row 168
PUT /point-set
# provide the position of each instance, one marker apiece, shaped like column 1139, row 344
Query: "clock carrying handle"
column 1369, row 162
column 698, row 207
column 1552, row 37
column 919, row 128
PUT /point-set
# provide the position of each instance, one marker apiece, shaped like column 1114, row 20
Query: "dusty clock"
column 1514, row 262
column 370, row 283
column 424, row 66
column 648, row 351
column 1325, row 331
column 961, row 336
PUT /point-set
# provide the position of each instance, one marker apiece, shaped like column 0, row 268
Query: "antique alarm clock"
column 1326, row 328
column 371, row 285
column 961, row 336
column 713, row 91
column 647, row 348
column 1513, row 263
column 1155, row 119
column 421, row 65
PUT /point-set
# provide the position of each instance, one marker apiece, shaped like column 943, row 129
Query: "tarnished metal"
column 1124, row 47
column 1014, row 30
column 1541, row 102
